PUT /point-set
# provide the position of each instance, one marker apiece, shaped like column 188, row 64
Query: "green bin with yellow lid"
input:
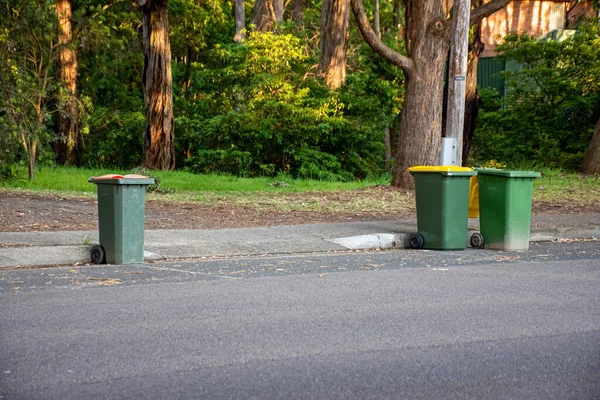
column 442, row 202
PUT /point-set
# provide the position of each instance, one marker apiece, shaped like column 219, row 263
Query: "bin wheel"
column 476, row 240
column 98, row 256
column 415, row 241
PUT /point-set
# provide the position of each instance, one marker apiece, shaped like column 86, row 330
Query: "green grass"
column 284, row 193
column 75, row 181
column 556, row 186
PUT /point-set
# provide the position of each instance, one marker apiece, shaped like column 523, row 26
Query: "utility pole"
column 457, row 78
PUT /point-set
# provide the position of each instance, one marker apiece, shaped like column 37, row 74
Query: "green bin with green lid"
column 442, row 200
column 121, row 218
column 505, row 198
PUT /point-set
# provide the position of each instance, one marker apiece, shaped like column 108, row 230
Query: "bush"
column 223, row 161
column 552, row 104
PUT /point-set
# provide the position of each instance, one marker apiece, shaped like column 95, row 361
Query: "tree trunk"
column 421, row 123
column 240, row 21
column 333, row 45
column 31, row 159
column 591, row 162
column 188, row 69
column 396, row 18
column 376, row 24
column 278, row 9
column 266, row 14
column 159, row 148
column 68, row 141
column 472, row 99
column 298, row 11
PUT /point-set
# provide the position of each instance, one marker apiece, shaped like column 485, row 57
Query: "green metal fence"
column 488, row 71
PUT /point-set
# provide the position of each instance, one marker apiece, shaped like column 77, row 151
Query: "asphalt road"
column 394, row 324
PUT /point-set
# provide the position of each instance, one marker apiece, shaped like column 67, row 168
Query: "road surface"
column 354, row 325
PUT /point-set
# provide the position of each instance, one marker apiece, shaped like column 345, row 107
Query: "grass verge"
column 286, row 194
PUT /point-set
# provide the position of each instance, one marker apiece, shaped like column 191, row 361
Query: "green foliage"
column 256, row 101
column 253, row 109
column 8, row 172
column 110, row 61
column 27, row 86
column 116, row 139
column 552, row 104
column 314, row 164
column 221, row 161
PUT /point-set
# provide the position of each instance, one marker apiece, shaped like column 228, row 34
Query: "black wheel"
column 98, row 256
column 476, row 241
column 415, row 241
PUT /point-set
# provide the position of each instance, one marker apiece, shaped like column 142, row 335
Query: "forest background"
column 258, row 101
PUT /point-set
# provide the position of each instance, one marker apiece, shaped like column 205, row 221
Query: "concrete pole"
column 457, row 78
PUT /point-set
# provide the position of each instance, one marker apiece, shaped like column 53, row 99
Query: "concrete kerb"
column 66, row 248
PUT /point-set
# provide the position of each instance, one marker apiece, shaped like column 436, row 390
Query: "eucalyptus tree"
column 68, row 143
column 159, row 141
column 427, row 36
column 333, row 44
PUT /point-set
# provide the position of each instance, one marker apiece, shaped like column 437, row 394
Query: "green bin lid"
column 447, row 170
column 508, row 173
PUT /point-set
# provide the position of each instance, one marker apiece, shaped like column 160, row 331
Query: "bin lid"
column 115, row 179
column 450, row 170
column 508, row 173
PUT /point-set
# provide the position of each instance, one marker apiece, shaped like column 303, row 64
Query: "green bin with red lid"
column 121, row 218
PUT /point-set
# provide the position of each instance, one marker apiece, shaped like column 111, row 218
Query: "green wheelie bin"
column 442, row 200
column 505, row 208
column 121, row 218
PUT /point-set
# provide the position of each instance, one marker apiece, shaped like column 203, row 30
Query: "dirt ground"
column 24, row 212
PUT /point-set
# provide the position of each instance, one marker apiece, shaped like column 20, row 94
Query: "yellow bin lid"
column 444, row 170
column 439, row 168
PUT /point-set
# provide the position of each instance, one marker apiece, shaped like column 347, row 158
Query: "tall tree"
column 333, row 45
column 159, row 147
column 240, row 21
column 427, row 42
column 68, row 139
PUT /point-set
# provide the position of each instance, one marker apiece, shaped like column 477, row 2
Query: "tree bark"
column 68, row 141
column 240, row 21
column 266, row 14
column 333, row 45
column 376, row 24
column 260, row 16
column 591, row 162
column 278, row 9
column 396, row 11
column 426, row 34
column 159, row 147
column 298, row 11
column 472, row 99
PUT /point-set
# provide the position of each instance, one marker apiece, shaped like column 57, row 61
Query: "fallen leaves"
column 107, row 281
